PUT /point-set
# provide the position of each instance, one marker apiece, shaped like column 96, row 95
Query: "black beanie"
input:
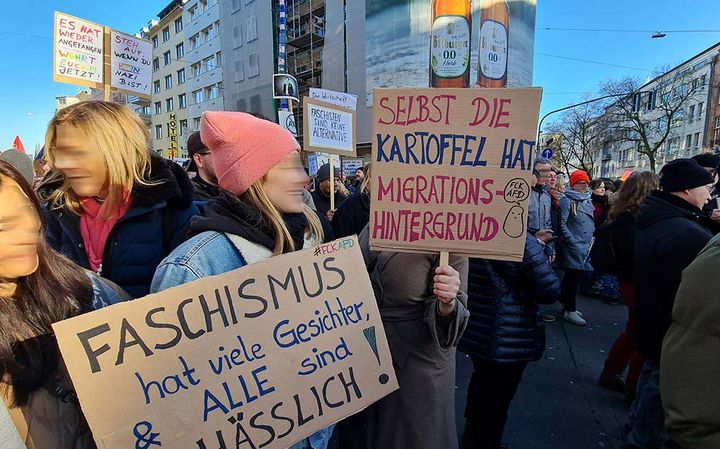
column 707, row 160
column 323, row 173
column 683, row 174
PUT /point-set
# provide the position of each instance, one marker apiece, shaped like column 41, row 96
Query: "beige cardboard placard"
column 269, row 353
column 451, row 170
column 78, row 51
column 328, row 128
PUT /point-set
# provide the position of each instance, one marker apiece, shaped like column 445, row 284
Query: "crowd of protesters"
column 102, row 219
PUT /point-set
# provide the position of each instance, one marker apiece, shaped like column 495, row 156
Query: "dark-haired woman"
column 38, row 287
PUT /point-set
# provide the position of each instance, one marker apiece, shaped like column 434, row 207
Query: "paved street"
column 559, row 404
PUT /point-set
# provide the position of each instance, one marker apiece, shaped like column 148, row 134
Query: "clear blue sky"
column 26, row 85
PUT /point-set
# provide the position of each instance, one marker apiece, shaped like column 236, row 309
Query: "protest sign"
column 77, row 51
column 130, row 64
column 328, row 128
column 258, row 357
column 342, row 99
column 451, row 170
column 350, row 166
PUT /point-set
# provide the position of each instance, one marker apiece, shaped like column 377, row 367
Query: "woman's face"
column 82, row 165
column 580, row 186
column 552, row 179
column 19, row 232
column 285, row 182
column 599, row 190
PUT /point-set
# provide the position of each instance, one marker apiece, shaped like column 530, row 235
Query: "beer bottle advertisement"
column 450, row 43
column 494, row 45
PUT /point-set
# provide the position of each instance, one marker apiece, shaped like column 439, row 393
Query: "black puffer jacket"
column 504, row 325
column 670, row 234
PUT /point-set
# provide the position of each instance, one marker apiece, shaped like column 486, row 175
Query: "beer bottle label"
column 450, row 46
column 493, row 49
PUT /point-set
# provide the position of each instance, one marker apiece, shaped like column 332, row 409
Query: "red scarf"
column 95, row 230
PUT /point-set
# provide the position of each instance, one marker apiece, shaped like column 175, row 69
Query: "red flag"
column 17, row 144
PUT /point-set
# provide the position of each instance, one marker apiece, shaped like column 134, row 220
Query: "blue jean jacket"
column 209, row 254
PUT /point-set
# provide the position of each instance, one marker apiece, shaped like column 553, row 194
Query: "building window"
column 203, row 5
column 196, row 124
column 169, row 105
column 158, row 131
column 194, row 41
column 700, row 110
column 251, row 29
column 209, row 33
column 167, row 58
column 166, row 34
column 702, row 81
column 691, row 114
column 179, row 51
column 158, row 108
column 168, row 82
column 178, row 25
column 253, row 65
column 218, row 61
column 198, row 96
column 210, row 63
column 181, row 76
column 195, row 69
column 237, row 36
column 183, row 127
column 156, row 64
column 717, row 122
column 697, row 141
column 155, row 42
column 688, row 142
column 213, row 91
column 192, row 12
column 182, row 101
column 156, row 86
column 239, row 75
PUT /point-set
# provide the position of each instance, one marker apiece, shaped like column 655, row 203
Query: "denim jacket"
column 212, row 253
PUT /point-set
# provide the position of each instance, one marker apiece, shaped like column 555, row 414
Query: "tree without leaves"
column 648, row 118
column 580, row 128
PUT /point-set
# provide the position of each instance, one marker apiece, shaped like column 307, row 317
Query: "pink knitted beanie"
column 243, row 147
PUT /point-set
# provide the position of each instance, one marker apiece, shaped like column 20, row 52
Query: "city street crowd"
column 102, row 219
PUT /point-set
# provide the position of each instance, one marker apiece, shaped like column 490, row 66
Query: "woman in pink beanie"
column 258, row 214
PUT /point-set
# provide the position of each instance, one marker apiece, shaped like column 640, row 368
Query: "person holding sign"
column 259, row 213
column 321, row 194
column 38, row 287
column 114, row 206
column 424, row 311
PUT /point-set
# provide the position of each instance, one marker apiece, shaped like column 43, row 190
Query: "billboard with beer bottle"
column 449, row 43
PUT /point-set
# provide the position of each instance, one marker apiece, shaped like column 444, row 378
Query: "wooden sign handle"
column 444, row 258
column 332, row 183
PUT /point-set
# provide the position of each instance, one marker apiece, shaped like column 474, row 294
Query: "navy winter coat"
column 504, row 323
column 156, row 223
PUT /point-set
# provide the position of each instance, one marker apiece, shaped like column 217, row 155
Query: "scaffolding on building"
column 305, row 41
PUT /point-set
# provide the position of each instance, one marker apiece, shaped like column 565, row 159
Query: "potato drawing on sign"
column 516, row 190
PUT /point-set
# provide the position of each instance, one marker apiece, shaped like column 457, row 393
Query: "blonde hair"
column 367, row 171
column 256, row 197
column 119, row 135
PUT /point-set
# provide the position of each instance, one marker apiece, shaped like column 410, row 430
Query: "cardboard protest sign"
column 259, row 357
column 77, row 51
column 451, row 170
column 130, row 64
column 328, row 128
column 348, row 101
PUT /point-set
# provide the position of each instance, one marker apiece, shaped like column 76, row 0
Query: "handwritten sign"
column 342, row 99
column 130, row 63
column 452, row 169
column 263, row 356
column 328, row 128
column 77, row 51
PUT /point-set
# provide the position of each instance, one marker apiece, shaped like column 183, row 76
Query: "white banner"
column 130, row 63
column 337, row 98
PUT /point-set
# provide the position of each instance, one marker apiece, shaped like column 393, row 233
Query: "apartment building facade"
column 169, row 100
column 690, row 129
column 248, row 55
column 203, row 59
